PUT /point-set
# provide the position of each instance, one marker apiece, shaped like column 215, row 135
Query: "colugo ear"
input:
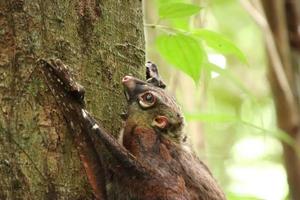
column 160, row 122
column 158, row 83
column 152, row 75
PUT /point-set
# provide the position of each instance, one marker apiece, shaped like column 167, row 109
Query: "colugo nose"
column 129, row 82
column 127, row 79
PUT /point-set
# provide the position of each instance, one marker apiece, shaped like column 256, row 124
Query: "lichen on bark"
column 102, row 41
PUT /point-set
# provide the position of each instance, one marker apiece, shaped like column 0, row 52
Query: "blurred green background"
column 229, row 111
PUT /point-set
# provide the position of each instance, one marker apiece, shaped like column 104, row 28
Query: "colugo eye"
column 147, row 99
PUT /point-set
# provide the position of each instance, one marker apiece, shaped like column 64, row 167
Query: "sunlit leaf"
column 227, row 118
column 227, row 74
column 219, row 43
column 211, row 117
column 161, row 2
column 233, row 196
column 283, row 136
column 182, row 51
column 181, row 23
column 176, row 10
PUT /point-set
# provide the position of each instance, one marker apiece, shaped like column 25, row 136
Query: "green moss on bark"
column 102, row 42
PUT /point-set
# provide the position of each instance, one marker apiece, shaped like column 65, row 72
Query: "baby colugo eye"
column 147, row 99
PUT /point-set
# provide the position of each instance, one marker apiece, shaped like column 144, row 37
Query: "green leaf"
column 183, row 52
column 281, row 135
column 228, row 118
column 211, row 117
column 176, row 10
column 219, row 43
column 227, row 74
column 233, row 196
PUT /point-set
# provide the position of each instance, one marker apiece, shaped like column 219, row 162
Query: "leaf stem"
column 163, row 27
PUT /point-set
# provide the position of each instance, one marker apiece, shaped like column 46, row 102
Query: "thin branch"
column 256, row 11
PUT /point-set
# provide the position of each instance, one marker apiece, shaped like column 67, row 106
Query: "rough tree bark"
column 284, row 19
column 104, row 40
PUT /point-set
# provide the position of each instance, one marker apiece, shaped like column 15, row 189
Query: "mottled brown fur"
column 153, row 163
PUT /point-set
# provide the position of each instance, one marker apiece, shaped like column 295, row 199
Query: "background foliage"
column 224, row 92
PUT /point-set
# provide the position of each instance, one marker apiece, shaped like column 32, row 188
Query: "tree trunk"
column 283, row 17
column 102, row 41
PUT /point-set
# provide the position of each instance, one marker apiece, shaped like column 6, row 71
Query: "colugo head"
column 150, row 105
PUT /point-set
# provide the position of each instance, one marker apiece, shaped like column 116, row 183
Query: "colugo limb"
column 153, row 163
